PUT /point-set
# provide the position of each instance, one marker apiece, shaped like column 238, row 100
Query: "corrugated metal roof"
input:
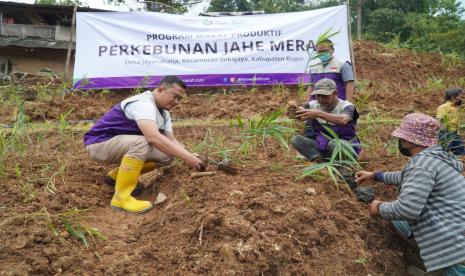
column 31, row 42
column 8, row 4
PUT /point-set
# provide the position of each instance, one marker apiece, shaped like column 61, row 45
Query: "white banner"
column 134, row 49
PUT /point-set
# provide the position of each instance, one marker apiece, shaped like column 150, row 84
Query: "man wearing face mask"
column 448, row 115
column 332, row 68
column 430, row 208
column 326, row 111
column 137, row 134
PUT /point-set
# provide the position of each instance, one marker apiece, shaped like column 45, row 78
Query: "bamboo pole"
column 359, row 19
column 200, row 174
column 350, row 39
column 70, row 44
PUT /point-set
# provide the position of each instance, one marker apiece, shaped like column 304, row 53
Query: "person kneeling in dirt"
column 430, row 207
column 137, row 134
column 327, row 112
column 448, row 115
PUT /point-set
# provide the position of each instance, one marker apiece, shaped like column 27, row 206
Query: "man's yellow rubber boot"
column 148, row 167
column 110, row 178
column 128, row 174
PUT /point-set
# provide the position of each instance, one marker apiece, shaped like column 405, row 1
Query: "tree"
column 229, row 6
column 268, row 6
column 386, row 24
column 61, row 2
column 166, row 6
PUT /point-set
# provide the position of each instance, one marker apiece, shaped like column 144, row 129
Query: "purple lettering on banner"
column 194, row 80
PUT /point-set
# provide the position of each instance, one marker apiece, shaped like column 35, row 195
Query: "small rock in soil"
column 160, row 198
column 310, row 191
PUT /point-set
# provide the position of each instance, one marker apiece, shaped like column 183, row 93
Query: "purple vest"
column 331, row 71
column 346, row 132
column 113, row 123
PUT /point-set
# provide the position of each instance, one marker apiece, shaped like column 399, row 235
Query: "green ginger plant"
column 271, row 125
column 343, row 158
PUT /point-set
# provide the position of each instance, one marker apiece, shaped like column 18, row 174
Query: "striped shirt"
column 432, row 199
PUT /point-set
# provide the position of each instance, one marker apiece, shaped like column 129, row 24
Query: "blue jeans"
column 403, row 229
column 451, row 142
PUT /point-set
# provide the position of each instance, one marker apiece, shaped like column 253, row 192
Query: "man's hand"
column 363, row 176
column 305, row 114
column 374, row 208
column 194, row 162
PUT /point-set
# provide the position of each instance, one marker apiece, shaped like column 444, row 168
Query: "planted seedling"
column 71, row 221
column 268, row 126
column 64, row 124
column 342, row 161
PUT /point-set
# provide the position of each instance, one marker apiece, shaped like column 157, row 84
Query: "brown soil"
column 260, row 221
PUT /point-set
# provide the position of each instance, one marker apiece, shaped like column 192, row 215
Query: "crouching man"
column 430, row 206
column 327, row 111
column 137, row 134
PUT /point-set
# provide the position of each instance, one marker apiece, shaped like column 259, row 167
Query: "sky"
column 134, row 4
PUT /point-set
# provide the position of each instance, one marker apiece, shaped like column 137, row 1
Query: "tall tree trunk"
column 359, row 19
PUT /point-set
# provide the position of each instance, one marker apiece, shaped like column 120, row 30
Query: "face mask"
column 402, row 150
column 325, row 57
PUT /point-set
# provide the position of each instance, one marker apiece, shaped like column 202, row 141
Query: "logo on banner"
column 237, row 22
column 229, row 79
column 207, row 22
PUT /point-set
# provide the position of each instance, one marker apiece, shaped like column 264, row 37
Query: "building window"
column 6, row 66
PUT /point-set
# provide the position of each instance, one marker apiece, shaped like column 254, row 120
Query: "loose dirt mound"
column 401, row 68
column 260, row 221
column 394, row 80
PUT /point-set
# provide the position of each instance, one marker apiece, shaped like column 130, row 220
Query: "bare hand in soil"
column 363, row 176
column 204, row 165
column 194, row 162
column 374, row 207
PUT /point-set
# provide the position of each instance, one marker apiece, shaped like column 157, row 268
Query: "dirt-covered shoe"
column 348, row 177
column 137, row 191
column 350, row 180
column 365, row 194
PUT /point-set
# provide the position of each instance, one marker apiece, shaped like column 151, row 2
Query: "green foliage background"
column 424, row 25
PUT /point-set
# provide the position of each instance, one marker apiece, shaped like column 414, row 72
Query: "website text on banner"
column 135, row 49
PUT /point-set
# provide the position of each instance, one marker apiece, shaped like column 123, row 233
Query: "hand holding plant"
column 364, row 176
column 306, row 114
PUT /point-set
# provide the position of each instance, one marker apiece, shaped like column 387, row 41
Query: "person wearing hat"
column 429, row 210
column 326, row 111
column 137, row 134
column 328, row 66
